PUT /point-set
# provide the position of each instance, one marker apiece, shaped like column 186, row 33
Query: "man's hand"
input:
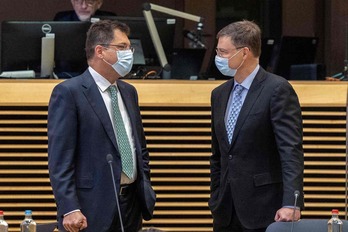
column 285, row 215
column 75, row 222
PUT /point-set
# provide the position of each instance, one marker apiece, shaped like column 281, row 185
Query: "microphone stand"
column 110, row 159
column 296, row 193
column 345, row 70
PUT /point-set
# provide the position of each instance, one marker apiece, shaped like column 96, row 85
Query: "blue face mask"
column 124, row 62
column 222, row 64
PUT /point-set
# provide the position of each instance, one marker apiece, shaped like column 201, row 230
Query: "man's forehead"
column 225, row 40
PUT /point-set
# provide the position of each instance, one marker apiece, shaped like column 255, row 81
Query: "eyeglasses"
column 120, row 47
column 223, row 52
column 88, row 2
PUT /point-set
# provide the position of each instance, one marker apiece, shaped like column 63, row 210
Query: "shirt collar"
column 247, row 81
column 101, row 82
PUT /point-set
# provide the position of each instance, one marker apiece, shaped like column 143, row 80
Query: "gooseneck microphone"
column 296, row 193
column 194, row 38
column 110, row 159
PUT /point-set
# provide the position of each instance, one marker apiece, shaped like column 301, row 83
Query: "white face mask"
column 124, row 62
column 222, row 64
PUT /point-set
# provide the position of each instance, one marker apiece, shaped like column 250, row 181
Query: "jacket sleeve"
column 287, row 125
column 62, row 124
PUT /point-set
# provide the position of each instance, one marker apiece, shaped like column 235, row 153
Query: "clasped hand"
column 286, row 215
column 75, row 222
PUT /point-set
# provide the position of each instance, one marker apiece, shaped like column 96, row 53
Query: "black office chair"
column 46, row 227
column 304, row 225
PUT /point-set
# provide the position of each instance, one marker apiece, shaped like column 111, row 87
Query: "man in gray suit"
column 257, row 156
column 91, row 117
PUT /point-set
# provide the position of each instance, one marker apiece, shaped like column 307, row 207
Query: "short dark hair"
column 102, row 32
column 243, row 34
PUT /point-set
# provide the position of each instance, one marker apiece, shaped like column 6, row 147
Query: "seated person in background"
column 83, row 11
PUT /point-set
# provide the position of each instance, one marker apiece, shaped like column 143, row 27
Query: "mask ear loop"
column 234, row 54
column 243, row 59
column 240, row 64
column 107, row 61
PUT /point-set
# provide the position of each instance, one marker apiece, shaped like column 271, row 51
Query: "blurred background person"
column 83, row 11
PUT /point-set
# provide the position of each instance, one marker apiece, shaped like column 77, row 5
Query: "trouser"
column 130, row 211
column 235, row 226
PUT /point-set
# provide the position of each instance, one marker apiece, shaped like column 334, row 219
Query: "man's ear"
column 246, row 51
column 98, row 50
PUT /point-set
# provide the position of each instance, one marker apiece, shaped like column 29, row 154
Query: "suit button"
column 230, row 157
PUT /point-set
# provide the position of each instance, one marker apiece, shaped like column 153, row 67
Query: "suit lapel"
column 253, row 93
column 130, row 107
column 126, row 99
column 91, row 91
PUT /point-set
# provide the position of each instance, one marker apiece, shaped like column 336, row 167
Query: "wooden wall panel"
column 176, row 118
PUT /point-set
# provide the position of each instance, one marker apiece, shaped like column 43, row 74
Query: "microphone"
column 110, row 159
column 194, row 38
column 296, row 193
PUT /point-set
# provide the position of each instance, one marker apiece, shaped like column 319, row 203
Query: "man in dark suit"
column 83, row 11
column 89, row 117
column 257, row 156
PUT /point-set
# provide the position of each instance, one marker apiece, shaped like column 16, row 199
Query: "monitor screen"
column 140, row 31
column 21, row 46
column 293, row 50
column 187, row 63
column 139, row 58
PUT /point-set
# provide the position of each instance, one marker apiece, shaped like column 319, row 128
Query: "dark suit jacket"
column 264, row 163
column 80, row 135
column 72, row 16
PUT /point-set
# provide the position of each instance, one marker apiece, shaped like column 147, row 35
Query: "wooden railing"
column 176, row 118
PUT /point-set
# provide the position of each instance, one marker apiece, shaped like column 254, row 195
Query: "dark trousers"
column 235, row 225
column 131, row 212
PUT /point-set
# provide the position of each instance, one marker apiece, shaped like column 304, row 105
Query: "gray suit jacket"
column 80, row 135
column 259, row 172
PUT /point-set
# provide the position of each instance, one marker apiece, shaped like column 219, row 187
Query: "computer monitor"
column 21, row 46
column 293, row 50
column 187, row 63
column 139, row 58
column 140, row 31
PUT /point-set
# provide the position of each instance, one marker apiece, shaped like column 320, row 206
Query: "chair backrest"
column 47, row 227
column 303, row 225
column 308, row 72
